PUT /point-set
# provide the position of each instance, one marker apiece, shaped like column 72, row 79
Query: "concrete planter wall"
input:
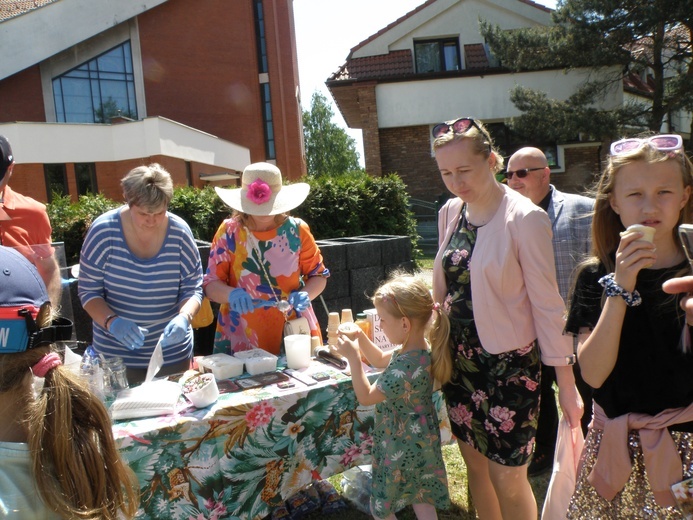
column 359, row 265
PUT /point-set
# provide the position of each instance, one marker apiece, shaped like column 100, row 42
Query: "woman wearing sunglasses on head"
column 495, row 251
column 630, row 343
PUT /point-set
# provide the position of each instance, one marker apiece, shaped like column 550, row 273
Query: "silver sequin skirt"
column 635, row 500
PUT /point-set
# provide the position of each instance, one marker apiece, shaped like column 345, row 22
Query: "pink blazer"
column 513, row 279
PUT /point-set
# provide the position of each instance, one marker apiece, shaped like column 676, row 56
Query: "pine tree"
column 650, row 39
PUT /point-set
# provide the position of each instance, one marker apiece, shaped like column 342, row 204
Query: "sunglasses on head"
column 459, row 126
column 521, row 174
column 663, row 143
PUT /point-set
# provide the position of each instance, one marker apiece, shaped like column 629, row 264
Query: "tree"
column 329, row 149
column 645, row 40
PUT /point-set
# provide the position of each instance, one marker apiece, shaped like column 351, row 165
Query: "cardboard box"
column 377, row 335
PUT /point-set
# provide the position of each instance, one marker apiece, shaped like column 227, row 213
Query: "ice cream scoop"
column 647, row 232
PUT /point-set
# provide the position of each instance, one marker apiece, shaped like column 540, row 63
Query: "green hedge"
column 347, row 205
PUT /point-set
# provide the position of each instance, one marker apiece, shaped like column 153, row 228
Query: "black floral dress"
column 493, row 400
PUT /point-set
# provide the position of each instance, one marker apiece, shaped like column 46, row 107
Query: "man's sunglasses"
column 521, row 174
column 459, row 126
column 663, row 143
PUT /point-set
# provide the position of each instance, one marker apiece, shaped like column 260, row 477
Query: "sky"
column 326, row 30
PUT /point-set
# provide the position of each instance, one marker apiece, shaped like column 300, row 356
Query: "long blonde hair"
column 75, row 462
column 405, row 295
column 606, row 224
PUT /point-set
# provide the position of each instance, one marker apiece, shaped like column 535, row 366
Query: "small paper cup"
column 201, row 390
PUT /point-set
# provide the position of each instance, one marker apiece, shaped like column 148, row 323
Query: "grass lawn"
column 457, row 484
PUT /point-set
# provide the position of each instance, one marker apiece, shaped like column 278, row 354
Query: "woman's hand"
column 128, row 333
column 632, row 256
column 240, row 301
column 568, row 395
column 175, row 331
column 299, row 300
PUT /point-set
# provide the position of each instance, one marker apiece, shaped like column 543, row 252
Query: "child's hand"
column 349, row 330
column 632, row 256
column 348, row 348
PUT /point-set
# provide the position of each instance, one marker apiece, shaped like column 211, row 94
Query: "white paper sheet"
column 156, row 362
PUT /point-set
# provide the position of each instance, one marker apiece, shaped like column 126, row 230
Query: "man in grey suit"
column 528, row 172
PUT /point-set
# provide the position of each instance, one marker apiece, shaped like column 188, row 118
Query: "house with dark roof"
column 91, row 88
column 432, row 65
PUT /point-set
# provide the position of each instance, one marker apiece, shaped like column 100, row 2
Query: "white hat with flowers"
column 263, row 193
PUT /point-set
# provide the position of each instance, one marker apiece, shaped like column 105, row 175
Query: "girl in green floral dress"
column 408, row 464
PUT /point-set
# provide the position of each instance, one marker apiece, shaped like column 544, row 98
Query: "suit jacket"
column 571, row 222
column 513, row 277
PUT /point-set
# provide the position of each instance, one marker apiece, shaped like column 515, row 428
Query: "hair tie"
column 436, row 306
column 45, row 364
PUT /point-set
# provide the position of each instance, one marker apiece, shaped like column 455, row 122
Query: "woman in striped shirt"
column 140, row 277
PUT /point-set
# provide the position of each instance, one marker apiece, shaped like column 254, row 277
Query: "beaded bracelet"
column 108, row 320
column 611, row 288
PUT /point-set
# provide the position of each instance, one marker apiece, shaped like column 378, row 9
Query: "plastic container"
column 258, row 361
column 201, row 390
column 222, row 366
column 298, row 352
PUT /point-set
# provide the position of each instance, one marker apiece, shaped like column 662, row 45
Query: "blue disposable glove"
column 175, row 331
column 240, row 301
column 299, row 300
column 128, row 333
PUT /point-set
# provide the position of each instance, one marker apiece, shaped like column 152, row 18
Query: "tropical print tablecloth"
column 244, row 455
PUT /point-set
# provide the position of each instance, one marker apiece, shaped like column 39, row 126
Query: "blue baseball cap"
column 22, row 294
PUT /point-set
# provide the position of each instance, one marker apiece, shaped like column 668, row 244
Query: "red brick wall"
column 582, row 169
column 21, row 97
column 200, row 68
column 407, row 152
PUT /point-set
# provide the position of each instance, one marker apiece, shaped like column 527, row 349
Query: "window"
column 56, row 180
column 437, row 55
column 85, row 175
column 267, row 116
column 97, row 90
column 261, row 42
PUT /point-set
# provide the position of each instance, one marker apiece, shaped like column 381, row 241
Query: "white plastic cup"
column 297, row 347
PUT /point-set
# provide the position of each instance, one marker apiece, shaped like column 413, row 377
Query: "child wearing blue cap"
column 45, row 438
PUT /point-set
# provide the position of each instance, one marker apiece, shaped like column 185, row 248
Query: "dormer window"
column 437, row 55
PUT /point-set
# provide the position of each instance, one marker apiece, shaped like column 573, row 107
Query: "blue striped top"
column 148, row 292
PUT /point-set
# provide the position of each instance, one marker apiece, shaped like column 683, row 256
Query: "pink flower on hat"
column 259, row 192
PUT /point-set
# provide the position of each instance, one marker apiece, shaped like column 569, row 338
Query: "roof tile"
column 12, row 8
column 395, row 63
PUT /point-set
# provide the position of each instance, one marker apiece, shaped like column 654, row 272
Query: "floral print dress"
column 493, row 400
column 408, row 463
column 242, row 258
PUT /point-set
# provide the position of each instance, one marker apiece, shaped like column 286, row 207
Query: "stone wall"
column 358, row 265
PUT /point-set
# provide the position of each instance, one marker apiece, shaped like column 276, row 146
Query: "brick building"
column 91, row 88
column 432, row 65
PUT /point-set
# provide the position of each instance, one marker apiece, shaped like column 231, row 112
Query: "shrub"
column 346, row 205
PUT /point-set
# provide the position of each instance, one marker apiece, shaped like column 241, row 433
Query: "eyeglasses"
column 459, row 126
column 663, row 143
column 521, row 174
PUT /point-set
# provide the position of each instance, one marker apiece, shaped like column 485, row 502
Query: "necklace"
column 282, row 305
